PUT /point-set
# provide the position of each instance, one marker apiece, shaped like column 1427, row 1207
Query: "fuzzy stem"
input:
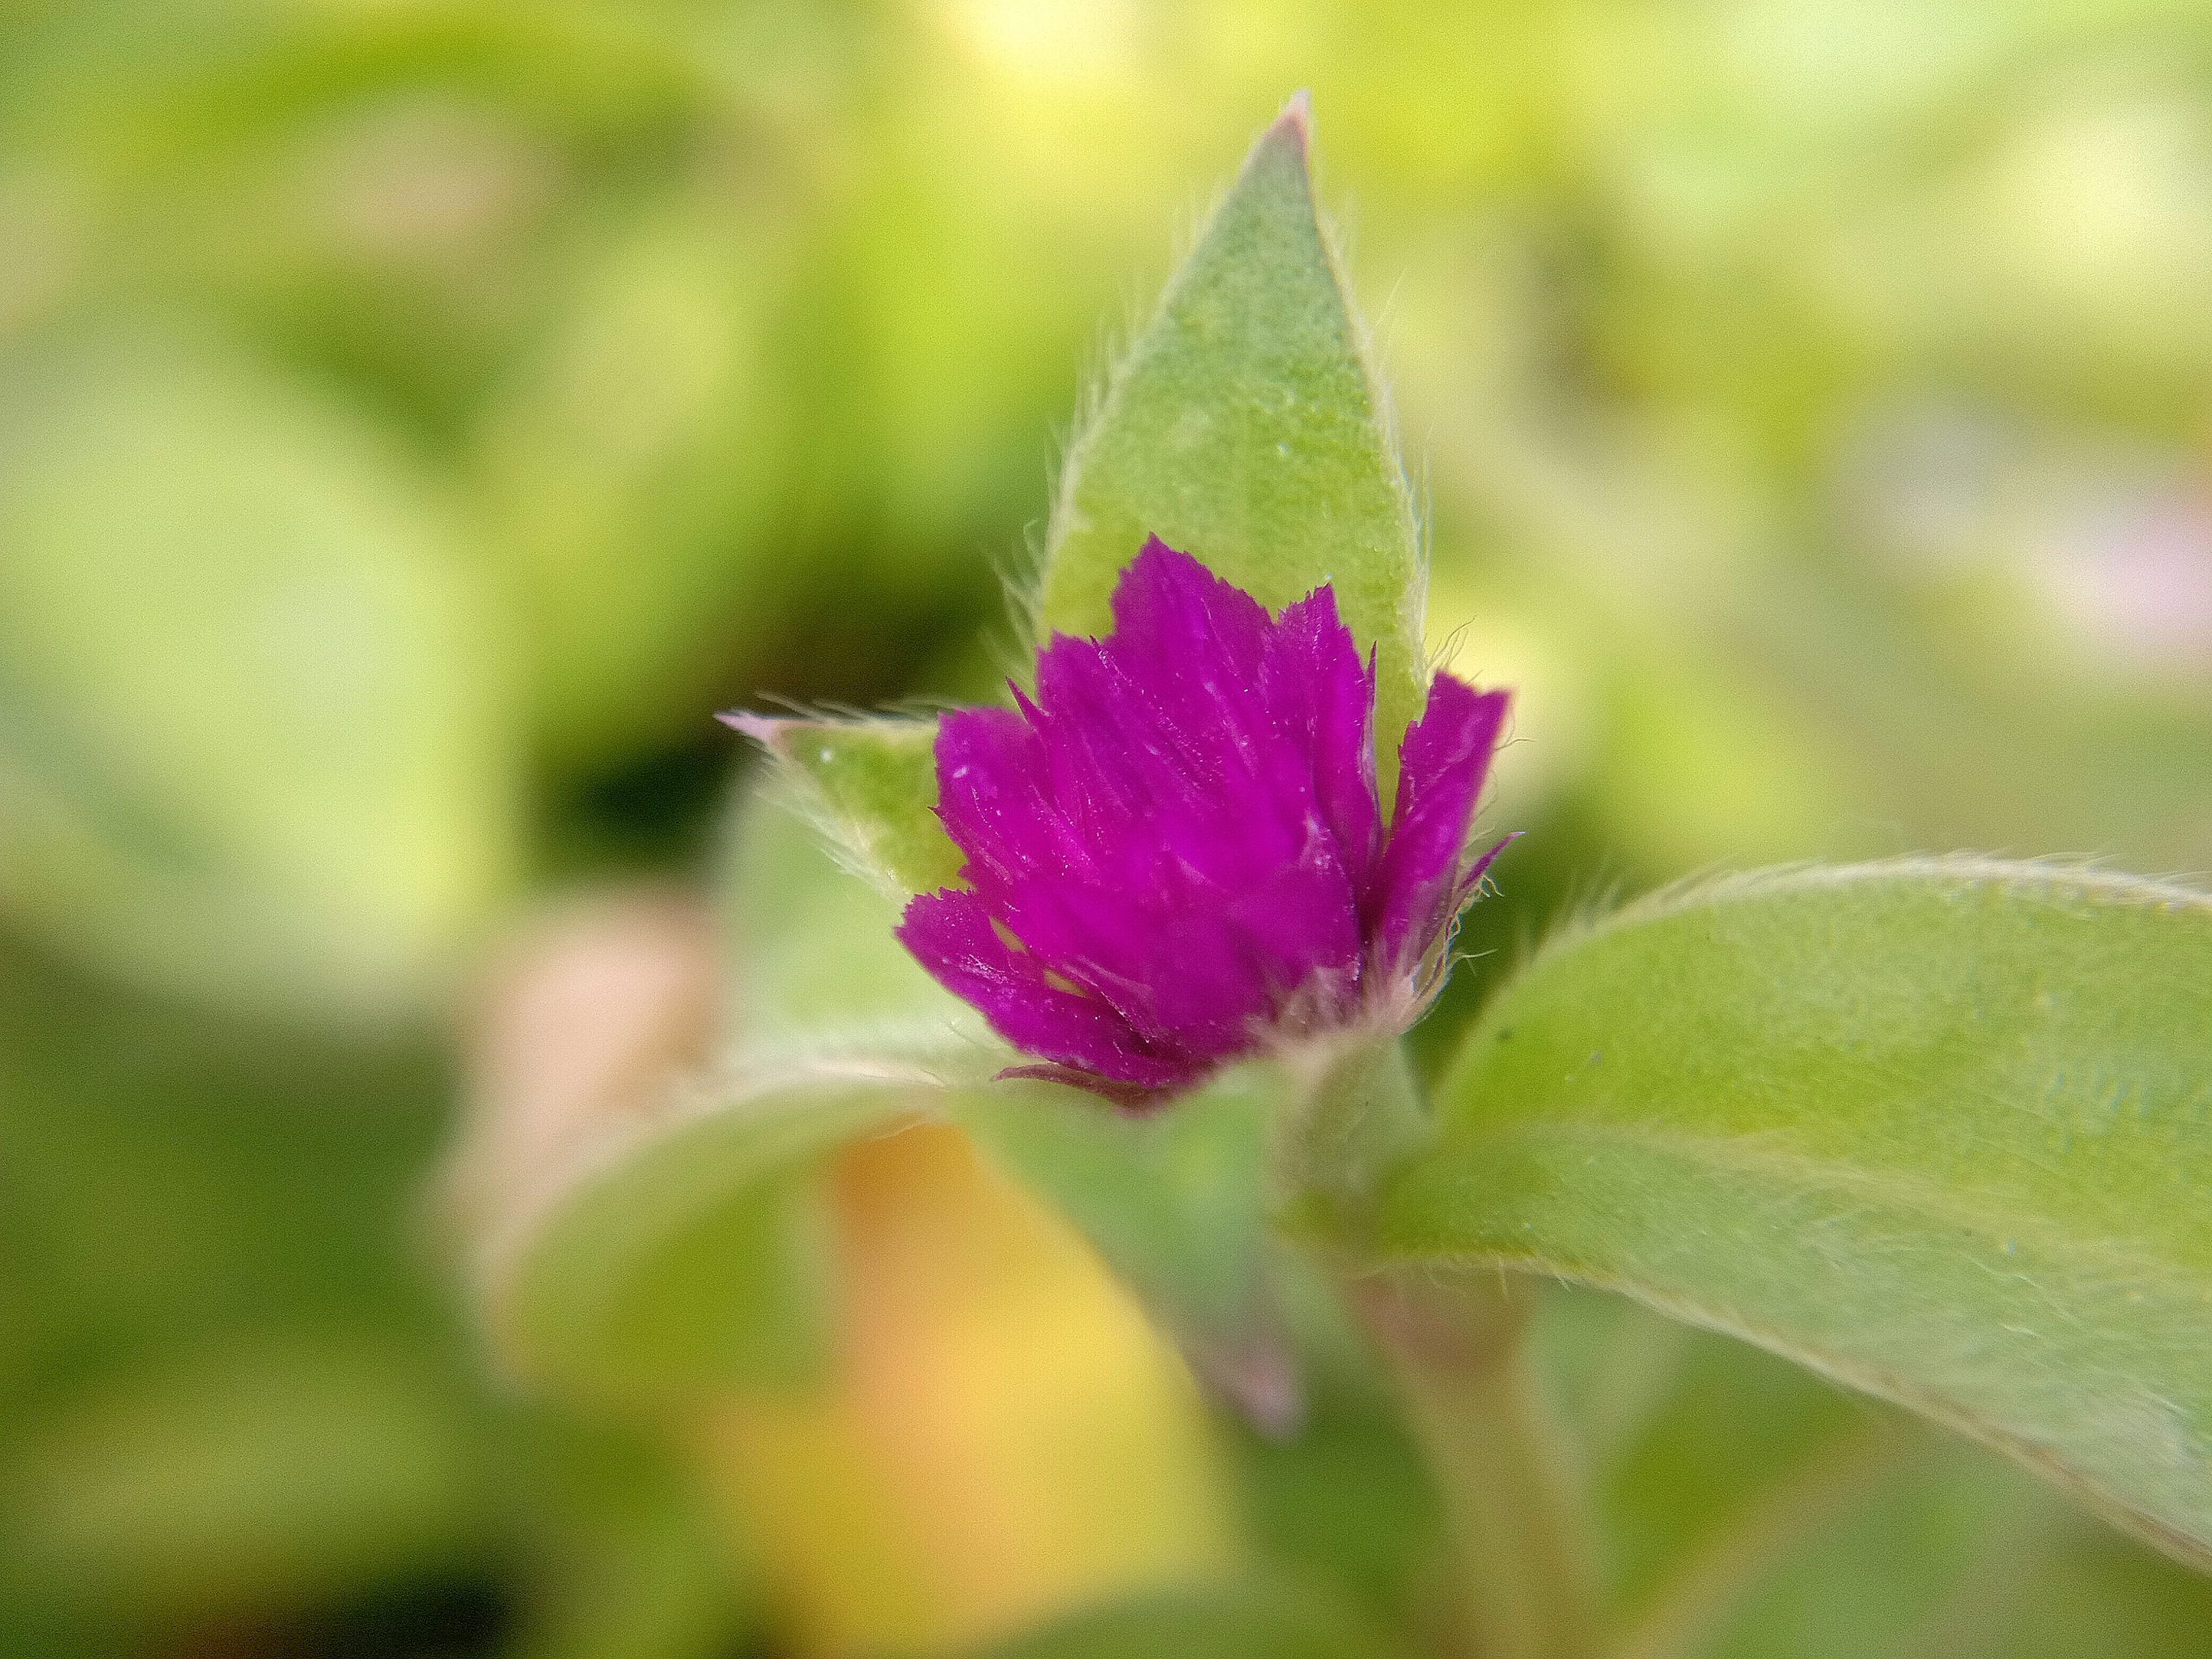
column 1462, row 1369
column 1520, row 1536
column 1359, row 1112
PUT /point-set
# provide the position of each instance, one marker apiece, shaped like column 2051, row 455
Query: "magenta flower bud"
column 1176, row 851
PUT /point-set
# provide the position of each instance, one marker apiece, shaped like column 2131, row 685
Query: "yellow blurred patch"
column 1006, row 1436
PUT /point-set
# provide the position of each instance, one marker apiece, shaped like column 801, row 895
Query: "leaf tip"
column 1290, row 131
column 777, row 736
column 761, row 729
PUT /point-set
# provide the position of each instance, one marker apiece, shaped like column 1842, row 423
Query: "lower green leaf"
column 683, row 1250
column 1941, row 1130
column 698, row 1257
column 678, row 1245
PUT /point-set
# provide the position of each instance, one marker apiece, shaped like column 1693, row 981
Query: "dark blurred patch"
column 653, row 809
column 437, row 1618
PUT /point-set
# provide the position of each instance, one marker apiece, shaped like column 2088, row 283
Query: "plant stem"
column 1456, row 1352
column 1521, row 1538
column 1358, row 1112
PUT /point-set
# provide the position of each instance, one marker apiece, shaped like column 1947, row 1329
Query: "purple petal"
column 1442, row 767
column 1154, row 790
column 1194, row 647
column 951, row 934
column 1171, row 612
column 1175, row 842
column 1303, row 923
column 993, row 800
column 1118, row 758
column 1181, row 973
column 1322, row 692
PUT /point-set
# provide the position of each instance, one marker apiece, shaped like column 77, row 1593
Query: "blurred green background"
column 416, row 417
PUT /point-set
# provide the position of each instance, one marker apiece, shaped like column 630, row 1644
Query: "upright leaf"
column 1246, row 427
column 1941, row 1130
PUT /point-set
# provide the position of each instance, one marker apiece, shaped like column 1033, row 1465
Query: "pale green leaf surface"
column 1942, row 1130
column 1245, row 427
column 254, row 734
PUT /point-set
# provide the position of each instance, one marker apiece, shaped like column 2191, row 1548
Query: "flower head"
column 1176, row 846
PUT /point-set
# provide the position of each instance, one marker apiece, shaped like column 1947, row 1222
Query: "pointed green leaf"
column 1245, row 427
column 1941, row 1129
column 870, row 786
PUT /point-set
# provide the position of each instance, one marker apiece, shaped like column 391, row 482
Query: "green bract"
column 871, row 787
